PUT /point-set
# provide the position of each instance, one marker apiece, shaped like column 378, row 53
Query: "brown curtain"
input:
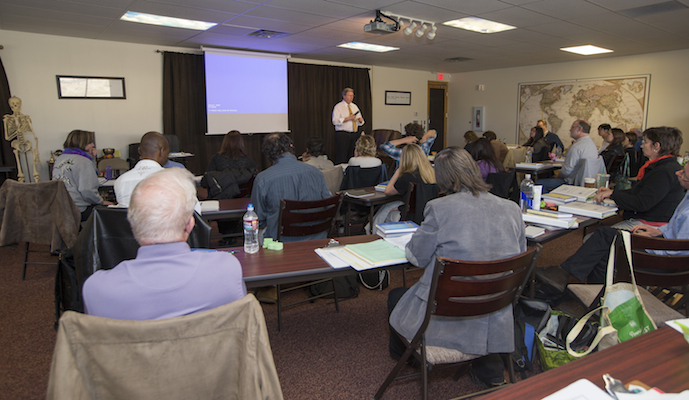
column 313, row 91
column 6, row 155
column 184, row 105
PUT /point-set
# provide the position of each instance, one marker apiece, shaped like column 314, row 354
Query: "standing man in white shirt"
column 347, row 120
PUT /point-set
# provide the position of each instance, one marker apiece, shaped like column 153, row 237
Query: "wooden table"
column 233, row 209
column 378, row 198
column 659, row 359
column 296, row 262
column 229, row 209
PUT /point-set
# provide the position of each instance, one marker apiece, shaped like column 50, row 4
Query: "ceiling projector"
column 380, row 27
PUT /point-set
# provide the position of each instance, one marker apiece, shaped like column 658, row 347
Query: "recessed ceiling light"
column 479, row 25
column 586, row 50
column 152, row 19
column 368, row 47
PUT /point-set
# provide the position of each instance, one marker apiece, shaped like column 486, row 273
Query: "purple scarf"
column 78, row 151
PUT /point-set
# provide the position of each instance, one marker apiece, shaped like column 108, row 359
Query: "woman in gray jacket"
column 77, row 169
column 467, row 224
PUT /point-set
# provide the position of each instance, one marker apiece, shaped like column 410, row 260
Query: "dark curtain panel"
column 6, row 155
column 184, row 106
column 313, row 92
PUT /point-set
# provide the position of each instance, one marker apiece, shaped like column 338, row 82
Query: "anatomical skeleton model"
column 17, row 125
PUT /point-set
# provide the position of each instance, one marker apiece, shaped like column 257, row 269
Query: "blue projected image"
column 246, row 85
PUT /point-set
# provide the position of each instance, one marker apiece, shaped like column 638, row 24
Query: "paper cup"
column 590, row 182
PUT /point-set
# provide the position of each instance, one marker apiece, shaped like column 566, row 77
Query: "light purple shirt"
column 164, row 281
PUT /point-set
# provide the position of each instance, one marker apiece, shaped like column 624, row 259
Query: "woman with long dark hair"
column 232, row 155
column 488, row 163
column 540, row 148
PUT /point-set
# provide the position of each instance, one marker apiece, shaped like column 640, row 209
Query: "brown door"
column 437, row 112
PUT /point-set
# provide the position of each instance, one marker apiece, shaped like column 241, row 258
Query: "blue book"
column 395, row 228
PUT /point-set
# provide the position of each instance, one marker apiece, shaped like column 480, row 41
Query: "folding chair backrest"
column 246, row 187
column 302, row 218
column 418, row 194
column 356, row 177
column 470, row 288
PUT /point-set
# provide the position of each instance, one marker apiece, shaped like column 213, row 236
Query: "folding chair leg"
column 279, row 309
column 26, row 258
column 424, row 368
column 391, row 376
column 337, row 307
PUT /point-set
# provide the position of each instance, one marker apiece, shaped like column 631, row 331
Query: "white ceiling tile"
column 471, row 7
column 617, row 5
column 565, row 9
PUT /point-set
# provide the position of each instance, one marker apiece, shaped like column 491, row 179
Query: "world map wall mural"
column 621, row 102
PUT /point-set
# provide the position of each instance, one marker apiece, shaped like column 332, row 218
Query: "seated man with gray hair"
column 166, row 279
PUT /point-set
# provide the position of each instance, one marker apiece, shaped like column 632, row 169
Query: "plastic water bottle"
column 108, row 172
column 250, row 222
column 528, row 157
column 526, row 189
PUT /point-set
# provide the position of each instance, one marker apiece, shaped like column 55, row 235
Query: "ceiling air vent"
column 653, row 9
column 266, row 34
column 457, row 59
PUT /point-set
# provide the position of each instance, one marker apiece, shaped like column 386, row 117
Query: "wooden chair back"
column 302, row 218
column 471, row 288
column 655, row 269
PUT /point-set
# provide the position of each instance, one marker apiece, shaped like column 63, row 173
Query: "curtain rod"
column 177, row 52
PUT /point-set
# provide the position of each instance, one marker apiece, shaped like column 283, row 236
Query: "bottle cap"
column 250, row 207
column 527, row 176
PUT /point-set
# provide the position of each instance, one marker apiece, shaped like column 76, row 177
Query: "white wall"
column 401, row 80
column 668, row 98
column 31, row 63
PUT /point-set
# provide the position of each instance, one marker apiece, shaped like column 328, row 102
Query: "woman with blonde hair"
column 414, row 167
column 365, row 153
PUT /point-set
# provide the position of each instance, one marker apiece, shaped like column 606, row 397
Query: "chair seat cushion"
column 442, row 355
column 657, row 310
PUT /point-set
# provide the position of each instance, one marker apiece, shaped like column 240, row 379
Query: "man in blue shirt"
column 414, row 134
column 288, row 178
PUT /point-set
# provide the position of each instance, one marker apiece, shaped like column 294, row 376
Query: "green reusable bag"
column 623, row 315
column 630, row 320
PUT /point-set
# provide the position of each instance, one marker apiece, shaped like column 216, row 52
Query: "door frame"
column 438, row 85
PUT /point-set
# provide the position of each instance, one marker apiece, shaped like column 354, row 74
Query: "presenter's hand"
column 603, row 193
column 360, row 119
column 351, row 117
column 645, row 230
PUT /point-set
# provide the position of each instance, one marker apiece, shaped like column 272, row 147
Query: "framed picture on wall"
column 395, row 98
column 90, row 87
column 478, row 119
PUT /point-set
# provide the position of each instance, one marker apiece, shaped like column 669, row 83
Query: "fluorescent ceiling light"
column 368, row 47
column 151, row 19
column 479, row 25
column 586, row 50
